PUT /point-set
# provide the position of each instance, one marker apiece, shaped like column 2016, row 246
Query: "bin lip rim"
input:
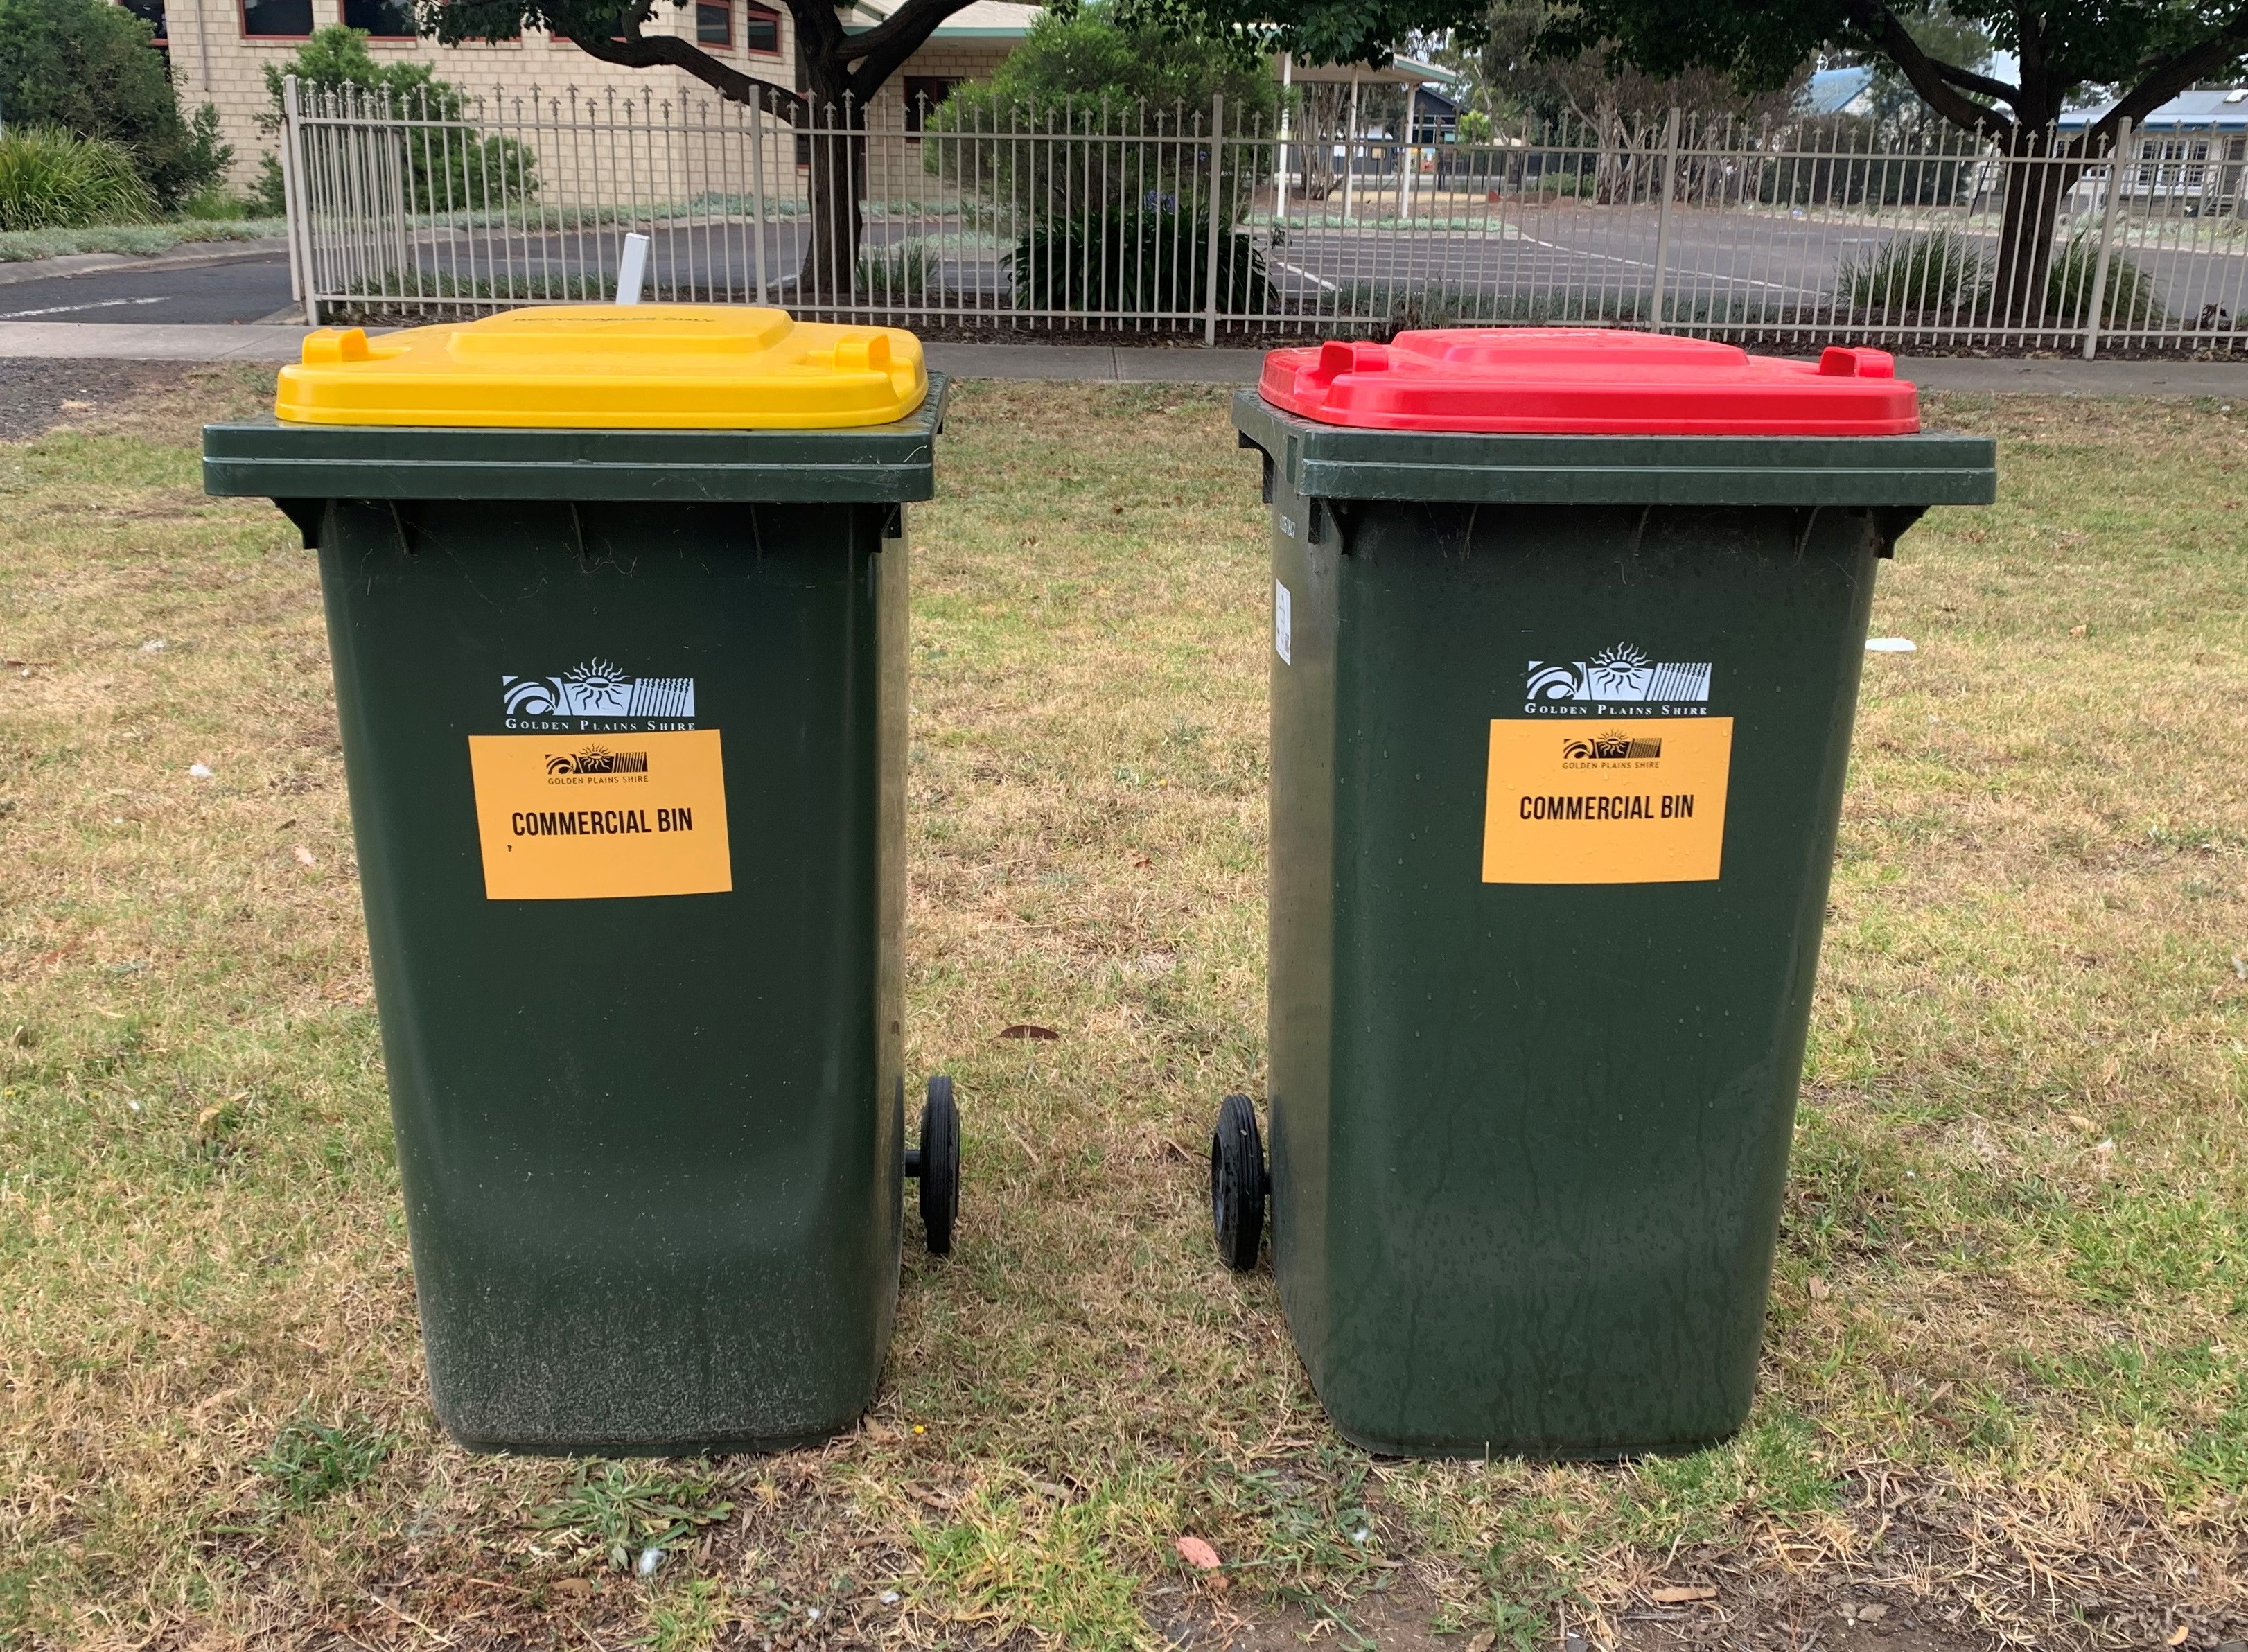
column 1912, row 470
column 1251, row 399
column 926, row 419
column 922, row 420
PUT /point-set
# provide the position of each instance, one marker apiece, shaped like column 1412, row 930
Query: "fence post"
column 292, row 204
column 2116, row 152
column 1217, row 173
column 1663, row 171
column 758, row 190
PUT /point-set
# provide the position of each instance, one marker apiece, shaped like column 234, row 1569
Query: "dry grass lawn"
column 2005, row 1393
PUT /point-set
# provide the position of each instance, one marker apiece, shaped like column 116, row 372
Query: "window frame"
column 343, row 15
column 751, row 9
column 162, row 38
column 242, row 22
column 913, row 110
column 725, row 7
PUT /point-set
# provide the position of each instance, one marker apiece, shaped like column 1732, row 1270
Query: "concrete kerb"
column 185, row 254
column 1104, row 363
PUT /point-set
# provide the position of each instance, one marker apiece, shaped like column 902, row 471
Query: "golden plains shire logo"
column 1620, row 675
column 596, row 759
column 1610, row 748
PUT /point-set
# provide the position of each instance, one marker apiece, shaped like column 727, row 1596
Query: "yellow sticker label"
column 570, row 817
column 1618, row 800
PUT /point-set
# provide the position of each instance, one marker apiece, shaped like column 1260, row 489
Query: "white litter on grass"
column 1891, row 645
column 155, row 645
column 200, row 772
column 650, row 1559
column 889, row 1597
column 811, row 1615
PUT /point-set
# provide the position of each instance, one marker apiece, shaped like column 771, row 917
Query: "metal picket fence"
column 1097, row 220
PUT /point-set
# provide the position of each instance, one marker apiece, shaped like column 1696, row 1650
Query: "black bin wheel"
column 935, row 1162
column 1237, row 1184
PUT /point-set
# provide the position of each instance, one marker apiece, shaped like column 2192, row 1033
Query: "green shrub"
column 50, row 179
column 1092, row 69
column 86, row 66
column 1134, row 258
column 1939, row 272
column 452, row 169
column 2129, row 299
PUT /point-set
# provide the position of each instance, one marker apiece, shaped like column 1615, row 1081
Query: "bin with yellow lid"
column 616, row 598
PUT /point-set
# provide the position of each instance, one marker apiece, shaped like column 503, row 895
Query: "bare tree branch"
column 637, row 51
column 882, row 49
column 1968, row 80
column 2166, row 80
column 1936, row 89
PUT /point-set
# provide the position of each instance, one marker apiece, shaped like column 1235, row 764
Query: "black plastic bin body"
column 651, row 1144
column 1529, row 1131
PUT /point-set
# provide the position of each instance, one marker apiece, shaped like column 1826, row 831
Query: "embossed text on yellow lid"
column 679, row 366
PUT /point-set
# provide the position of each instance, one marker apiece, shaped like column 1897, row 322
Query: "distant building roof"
column 1401, row 71
column 1835, row 91
column 2223, row 109
column 980, row 20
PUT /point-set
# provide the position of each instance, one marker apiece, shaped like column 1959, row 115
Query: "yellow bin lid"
column 639, row 366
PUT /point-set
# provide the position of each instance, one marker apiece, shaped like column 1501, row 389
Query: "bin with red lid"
column 1567, row 630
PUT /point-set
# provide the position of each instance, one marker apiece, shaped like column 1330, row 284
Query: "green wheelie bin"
column 1568, row 627
column 617, row 602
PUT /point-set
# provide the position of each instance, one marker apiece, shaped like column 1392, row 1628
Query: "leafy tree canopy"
column 837, row 64
column 1515, row 70
column 86, row 66
column 1110, row 53
column 2149, row 50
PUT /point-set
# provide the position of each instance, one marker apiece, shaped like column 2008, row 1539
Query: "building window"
column 924, row 94
column 713, row 23
column 384, row 19
column 278, row 19
column 761, row 30
column 152, row 13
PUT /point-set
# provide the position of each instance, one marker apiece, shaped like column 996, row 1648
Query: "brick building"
column 219, row 50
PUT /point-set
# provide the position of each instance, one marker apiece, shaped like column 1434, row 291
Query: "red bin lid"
column 1585, row 382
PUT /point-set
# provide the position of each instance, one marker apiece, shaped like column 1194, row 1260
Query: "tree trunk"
column 2035, row 186
column 837, row 147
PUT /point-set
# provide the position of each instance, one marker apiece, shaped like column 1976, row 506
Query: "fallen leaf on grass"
column 1482, row 1641
column 2178, row 1635
column 1873, row 1614
column 1818, row 1288
column 1679, row 1594
column 1197, row 1554
column 304, row 856
column 1024, row 1030
column 2079, row 1120
column 573, row 1585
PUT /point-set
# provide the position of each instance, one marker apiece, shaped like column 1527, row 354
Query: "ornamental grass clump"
column 50, row 179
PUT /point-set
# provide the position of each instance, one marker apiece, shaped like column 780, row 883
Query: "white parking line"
column 1325, row 285
column 71, row 309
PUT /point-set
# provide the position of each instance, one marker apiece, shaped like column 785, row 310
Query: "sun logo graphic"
column 597, row 759
column 598, row 688
column 1618, row 675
